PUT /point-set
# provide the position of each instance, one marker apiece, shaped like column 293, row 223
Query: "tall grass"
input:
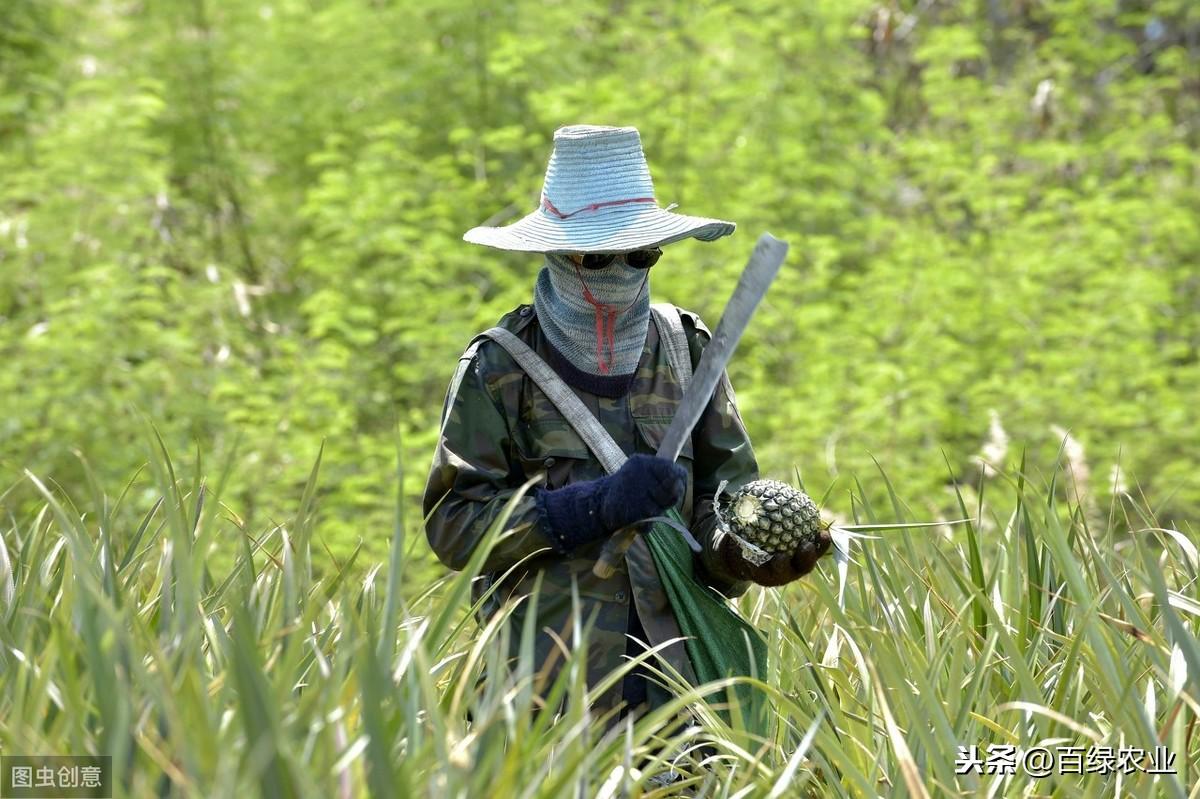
column 210, row 660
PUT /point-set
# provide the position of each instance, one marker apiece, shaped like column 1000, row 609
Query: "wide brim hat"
column 597, row 197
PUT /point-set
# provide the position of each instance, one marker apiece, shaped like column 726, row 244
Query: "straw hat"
column 597, row 197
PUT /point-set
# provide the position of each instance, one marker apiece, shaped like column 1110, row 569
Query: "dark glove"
column 781, row 568
column 575, row 514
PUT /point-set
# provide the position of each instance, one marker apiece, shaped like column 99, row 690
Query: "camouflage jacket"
column 501, row 429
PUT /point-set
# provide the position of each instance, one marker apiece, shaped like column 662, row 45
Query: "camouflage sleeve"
column 722, row 452
column 472, row 477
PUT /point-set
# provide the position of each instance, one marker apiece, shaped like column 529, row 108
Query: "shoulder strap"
column 464, row 362
column 671, row 334
column 570, row 406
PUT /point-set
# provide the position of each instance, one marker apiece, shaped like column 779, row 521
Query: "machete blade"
column 763, row 266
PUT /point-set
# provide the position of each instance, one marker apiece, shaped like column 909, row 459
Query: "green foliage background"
column 244, row 218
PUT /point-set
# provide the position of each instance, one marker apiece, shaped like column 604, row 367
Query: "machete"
column 752, row 286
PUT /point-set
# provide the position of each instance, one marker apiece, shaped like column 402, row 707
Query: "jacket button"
column 526, row 311
column 548, row 463
column 619, row 596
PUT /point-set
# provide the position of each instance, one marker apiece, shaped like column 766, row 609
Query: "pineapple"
column 771, row 516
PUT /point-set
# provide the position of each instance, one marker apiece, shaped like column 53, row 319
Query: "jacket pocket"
column 652, row 429
column 553, row 447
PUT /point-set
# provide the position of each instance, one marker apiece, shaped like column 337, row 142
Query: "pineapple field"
column 211, row 660
column 234, row 289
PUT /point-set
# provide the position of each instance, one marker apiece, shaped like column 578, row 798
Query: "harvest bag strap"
column 670, row 331
column 569, row 405
column 464, row 363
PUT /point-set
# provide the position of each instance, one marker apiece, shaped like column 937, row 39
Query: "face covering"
column 595, row 318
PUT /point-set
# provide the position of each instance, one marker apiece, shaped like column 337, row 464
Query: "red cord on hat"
column 606, row 323
column 549, row 206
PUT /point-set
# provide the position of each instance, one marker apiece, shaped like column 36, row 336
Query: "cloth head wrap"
column 595, row 318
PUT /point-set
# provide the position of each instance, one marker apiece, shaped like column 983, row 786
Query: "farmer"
column 600, row 231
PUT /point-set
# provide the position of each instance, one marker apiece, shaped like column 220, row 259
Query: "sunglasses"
column 638, row 259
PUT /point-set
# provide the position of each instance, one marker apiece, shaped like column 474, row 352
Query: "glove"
column 782, row 568
column 575, row 514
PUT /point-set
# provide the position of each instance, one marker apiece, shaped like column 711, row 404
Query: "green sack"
column 720, row 643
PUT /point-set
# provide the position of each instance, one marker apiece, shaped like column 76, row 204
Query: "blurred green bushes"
column 244, row 218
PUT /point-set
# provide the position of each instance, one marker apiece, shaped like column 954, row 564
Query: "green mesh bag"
column 720, row 643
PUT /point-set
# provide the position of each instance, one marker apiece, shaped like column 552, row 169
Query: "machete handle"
column 614, row 549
